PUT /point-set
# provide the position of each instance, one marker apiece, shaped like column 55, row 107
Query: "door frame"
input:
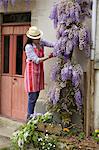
column 11, row 55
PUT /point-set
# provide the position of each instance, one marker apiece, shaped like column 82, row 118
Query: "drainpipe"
column 94, row 11
column 92, row 78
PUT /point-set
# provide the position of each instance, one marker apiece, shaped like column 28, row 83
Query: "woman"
column 34, row 73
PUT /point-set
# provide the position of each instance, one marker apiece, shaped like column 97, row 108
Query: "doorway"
column 13, row 95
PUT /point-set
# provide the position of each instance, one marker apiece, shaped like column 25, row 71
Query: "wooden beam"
column 92, row 95
column 84, row 100
column 88, row 98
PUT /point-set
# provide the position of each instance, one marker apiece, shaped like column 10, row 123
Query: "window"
column 19, row 54
column 6, row 54
column 17, row 17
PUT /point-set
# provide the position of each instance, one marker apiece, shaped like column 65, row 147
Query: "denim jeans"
column 32, row 98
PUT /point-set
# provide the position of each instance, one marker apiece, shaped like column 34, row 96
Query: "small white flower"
column 43, row 147
column 46, row 136
column 50, row 144
column 20, row 143
column 40, row 139
column 54, row 145
column 26, row 135
column 43, row 143
column 35, row 121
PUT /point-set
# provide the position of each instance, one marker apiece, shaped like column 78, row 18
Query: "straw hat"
column 34, row 33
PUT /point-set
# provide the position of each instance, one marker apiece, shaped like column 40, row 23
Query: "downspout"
column 93, row 48
column 94, row 14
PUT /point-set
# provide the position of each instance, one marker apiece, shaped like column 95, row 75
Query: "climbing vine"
column 65, row 97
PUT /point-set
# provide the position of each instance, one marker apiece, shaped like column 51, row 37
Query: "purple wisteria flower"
column 1, row 3
column 78, row 99
column 75, row 78
column 72, row 13
column 57, row 48
column 5, row 3
column 66, row 57
column 54, row 95
column 68, row 13
column 84, row 40
column 54, row 16
column 55, row 71
column 65, row 34
column 69, row 47
column 85, row 8
column 27, row 4
column 76, row 36
column 66, row 72
column 13, row 2
column 60, row 31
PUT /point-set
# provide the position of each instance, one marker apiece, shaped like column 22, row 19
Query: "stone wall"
column 40, row 17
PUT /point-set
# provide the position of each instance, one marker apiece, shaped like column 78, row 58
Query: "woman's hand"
column 45, row 58
column 51, row 55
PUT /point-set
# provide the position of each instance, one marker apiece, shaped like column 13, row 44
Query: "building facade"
column 13, row 25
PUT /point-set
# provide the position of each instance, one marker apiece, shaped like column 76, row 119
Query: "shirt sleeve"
column 31, row 55
column 47, row 44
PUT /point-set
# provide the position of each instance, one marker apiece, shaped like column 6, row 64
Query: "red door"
column 13, row 96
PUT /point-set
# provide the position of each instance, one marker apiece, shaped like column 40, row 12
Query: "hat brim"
column 34, row 37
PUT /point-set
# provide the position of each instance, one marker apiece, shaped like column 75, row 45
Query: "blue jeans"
column 32, row 98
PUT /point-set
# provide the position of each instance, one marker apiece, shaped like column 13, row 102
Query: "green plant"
column 81, row 136
column 95, row 135
column 28, row 134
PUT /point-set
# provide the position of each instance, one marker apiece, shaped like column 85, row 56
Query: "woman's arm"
column 45, row 58
column 47, row 44
column 31, row 55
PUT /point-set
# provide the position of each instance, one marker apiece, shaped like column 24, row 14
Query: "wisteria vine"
column 71, row 34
